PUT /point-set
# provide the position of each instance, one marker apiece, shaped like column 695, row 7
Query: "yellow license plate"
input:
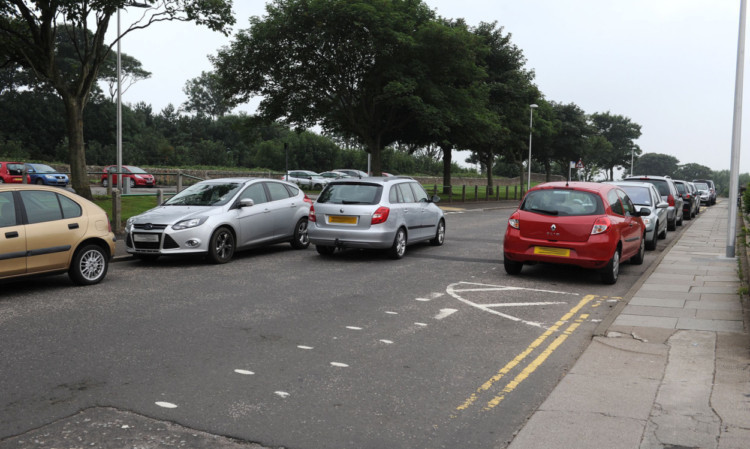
column 342, row 219
column 546, row 251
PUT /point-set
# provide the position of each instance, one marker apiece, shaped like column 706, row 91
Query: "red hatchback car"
column 587, row 224
column 12, row 172
column 134, row 175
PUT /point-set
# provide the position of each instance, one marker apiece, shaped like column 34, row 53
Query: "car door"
column 283, row 208
column 429, row 213
column 632, row 227
column 412, row 211
column 54, row 228
column 12, row 237
column 255, row 222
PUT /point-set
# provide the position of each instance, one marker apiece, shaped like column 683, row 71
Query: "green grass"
column 131, row 205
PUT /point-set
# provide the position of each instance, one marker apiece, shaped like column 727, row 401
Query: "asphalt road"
column 285, row 348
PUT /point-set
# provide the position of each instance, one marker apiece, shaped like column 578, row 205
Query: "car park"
column 690, row 200
column 645, row 195
column 306, row 178
column 587, row 224
column 711, row 189
column 46, row 230
column 12, row 172
column 217, row 217
column 375, row 212
column 44, row 174
column 669, row 193
column 352, row 172
column 135, row 176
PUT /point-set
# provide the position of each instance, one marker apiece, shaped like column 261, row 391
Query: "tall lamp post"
column 531, row 128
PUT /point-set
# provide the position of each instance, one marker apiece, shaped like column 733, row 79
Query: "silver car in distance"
column 218, row 216
column 382, row 212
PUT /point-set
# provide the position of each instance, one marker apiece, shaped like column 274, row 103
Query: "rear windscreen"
column 359, row 193
column 563, row 202
column 639, row 195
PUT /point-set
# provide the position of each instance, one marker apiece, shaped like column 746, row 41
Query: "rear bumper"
column 374, row 237
column 594, row 254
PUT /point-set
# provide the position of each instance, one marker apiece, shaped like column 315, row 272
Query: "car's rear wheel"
column 651, row 244
column 611, row 271
column 221, row 246
column 301, row 240
column 89, row 265
column 439, row 234
column 512, row 267
column 638, row 258
column 324, row 250
column 398, row 249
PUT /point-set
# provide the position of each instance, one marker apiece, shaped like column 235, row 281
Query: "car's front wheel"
column 439, row 238
column 611, row 271
column 221, row 246
column 89, row 265
column 398, row 249
column 301, row 240
column 39, row 181
column 651, row 244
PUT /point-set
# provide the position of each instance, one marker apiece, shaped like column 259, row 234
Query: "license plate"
column 546, row 251
column 342, row 219
column 146, row 237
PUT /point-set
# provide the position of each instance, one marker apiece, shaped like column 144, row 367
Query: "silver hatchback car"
column 218, row 216
column 376, row 212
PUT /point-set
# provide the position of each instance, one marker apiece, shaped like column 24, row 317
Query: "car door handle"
column 73, row 226
column 11, row 235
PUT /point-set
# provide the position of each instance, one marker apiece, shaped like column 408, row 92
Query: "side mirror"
column 644, row 212
column 662, row 205
column 246, row 202
column 435, row 199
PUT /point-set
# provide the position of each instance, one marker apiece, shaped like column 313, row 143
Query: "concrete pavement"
column 672, row 369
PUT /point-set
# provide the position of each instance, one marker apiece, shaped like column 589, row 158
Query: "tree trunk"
column 547, row 169
column 447, row 163
column 76, row 149
column 488, row 165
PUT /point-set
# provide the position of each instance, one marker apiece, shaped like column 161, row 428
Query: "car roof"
column 631, row 184
column 575, row 185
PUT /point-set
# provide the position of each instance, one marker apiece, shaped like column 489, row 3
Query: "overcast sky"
column 668, row 65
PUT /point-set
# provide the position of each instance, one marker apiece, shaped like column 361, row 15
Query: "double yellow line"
column 536, row 363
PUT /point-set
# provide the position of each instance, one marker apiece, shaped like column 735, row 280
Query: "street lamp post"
column 531, row 128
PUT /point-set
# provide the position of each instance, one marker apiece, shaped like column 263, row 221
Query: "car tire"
column 89, row 265
column 132, row 183
column 105, row 182
column 688, row 216
column 439, row 238
column 611, row 271
column 663, row 234
column 301, row 239
column 318, row 187
column 641, row 255
column 398, row 249
column 651, row 244
column 679, row 222
column 324, row 250
column 672, row 225
column 221, row 246
column 512, row 267
column 39, row 181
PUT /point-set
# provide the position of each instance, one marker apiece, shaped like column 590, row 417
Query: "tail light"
column 311, row 215
column 307, row 199
column 513, row 221
column 670, row 200
column 601, row 225
column 380, row 215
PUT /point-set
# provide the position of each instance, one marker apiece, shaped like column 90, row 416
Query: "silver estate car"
column 645, row 196
column 375, row 212
column 218, row 216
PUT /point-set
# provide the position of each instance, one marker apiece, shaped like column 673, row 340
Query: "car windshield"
column 136, row 169
column 205, row 194
column 563, row 202
column 639, row 195
column 41, row 168
column 360, row 193
column 15, row 168
column 701, row 185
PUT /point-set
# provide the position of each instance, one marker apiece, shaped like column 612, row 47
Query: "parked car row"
column 596, row 225
column 317, row 181
column 12, row 173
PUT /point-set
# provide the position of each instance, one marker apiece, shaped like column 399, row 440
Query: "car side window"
column 277, row 191
column 627, row 204
column 7, row 210
column 419, row 194
column 255, row 192
column 614, row 202
column 70, row 208
column 393, row 195
column 41, row 206
column 407, row 195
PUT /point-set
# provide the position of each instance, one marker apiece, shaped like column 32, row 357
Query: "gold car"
column 48, row 230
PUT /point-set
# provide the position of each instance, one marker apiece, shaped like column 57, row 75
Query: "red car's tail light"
column 380, row 215
column 513, row 221
column 307, row 199
column 601, row 225
column 311, row 215
column 670, row 200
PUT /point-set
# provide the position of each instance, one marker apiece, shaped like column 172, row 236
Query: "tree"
column 691, row 171
column 205, row 96
column 656, row 164
column 131, row 71
column 363, row 69
column 621, row 132
column 30, row 31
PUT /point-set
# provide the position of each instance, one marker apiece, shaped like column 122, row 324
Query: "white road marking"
column 445, row 313
column 423, row 299
column 354, row 328
column 388, row 342
column 340, row 365
column 166, row 404
column 304, row 347
column 244, row 372
column 391, row 313
column 283, row 394
column 435, row 295
column 421, row 324
column 522, row 304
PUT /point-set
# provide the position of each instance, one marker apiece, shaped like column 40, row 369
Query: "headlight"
column 646, row 221
column 49, row 176
column 129, row 222
column 190, row 223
